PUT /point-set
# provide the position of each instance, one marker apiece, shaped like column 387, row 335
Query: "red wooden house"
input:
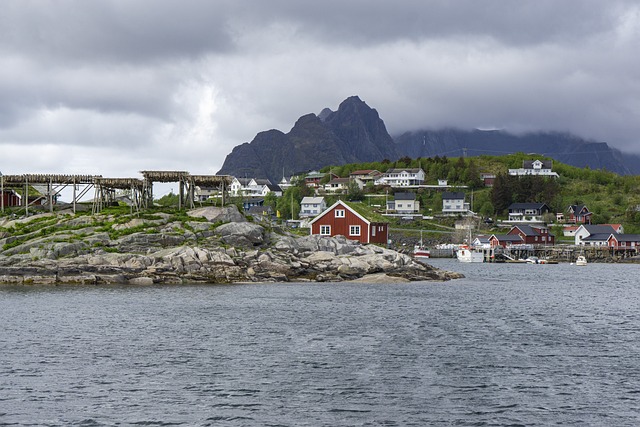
column 505, row 240
column 579, row 214
column 340, row 219
column 10, row 198
column 533, row 235
column 624, row 241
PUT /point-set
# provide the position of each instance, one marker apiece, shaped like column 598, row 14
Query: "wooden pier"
column 55, row 184
column 569, row 253
column 140, row 190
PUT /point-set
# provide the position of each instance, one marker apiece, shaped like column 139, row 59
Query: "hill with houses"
column 511, row 200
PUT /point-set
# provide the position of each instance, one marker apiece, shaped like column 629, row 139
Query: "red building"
column 340, row 219
column 533, row 235
column 10, row 198
column 624, row 241
column 505, row 240
column 579, row 214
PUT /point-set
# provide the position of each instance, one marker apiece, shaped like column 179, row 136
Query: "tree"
column 271, row 200
column 501, row 194
column 353, row 191
column 289, row 204
column 487, row 210
column 168, row 199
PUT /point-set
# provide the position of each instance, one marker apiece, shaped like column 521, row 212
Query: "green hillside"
column 612, row 198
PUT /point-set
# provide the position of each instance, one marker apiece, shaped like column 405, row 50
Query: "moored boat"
column 467, row 254
column 581, row 260
column 420, row 253
column 536, row 260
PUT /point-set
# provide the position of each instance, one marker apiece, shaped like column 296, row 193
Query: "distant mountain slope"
column 356, row 134
column 565, row 148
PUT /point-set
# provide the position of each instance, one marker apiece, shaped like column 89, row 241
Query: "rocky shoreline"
column 209, row 245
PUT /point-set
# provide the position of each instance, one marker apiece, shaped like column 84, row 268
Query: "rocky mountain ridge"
column 355, row 133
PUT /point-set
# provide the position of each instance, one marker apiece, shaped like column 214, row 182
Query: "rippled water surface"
column 508, row 345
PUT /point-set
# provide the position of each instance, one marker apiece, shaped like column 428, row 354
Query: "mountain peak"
column 355, row 133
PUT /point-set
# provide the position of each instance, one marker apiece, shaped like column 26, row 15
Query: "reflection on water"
column 507, row 345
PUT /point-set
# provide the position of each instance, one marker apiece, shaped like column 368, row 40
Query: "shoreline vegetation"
column 203, row 245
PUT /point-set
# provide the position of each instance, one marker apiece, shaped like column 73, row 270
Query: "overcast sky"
column 114, row 87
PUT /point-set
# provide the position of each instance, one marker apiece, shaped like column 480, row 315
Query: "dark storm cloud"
column 517, row 23
column 113, row 31
column 180, row 83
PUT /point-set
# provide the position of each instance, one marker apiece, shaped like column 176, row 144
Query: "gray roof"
column 449, row 195
column 528, row 230
column 508, row 237
column 404, row 196
column 599, row 229
column 262, row 181
column 398, row 170
column 597, row 237
column 576, row 209
column 519, row 206
column 627, row 237
column 260, row 210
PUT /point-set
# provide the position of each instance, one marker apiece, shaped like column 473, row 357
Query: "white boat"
column 466, row 254
column 536, row 260
column 420, row 253
column 581, row 260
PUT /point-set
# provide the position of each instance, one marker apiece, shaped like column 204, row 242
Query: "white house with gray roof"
column 594, row 235
column 453, row 203
column 535, row 167
column 312, row 206
column 404, row 203
column 402, row 177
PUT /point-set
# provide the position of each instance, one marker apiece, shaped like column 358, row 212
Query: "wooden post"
column 74, row 195
column 222, row 197
column 26, row 196
column 50, row 195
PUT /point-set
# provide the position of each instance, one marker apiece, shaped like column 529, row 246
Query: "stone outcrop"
column 174, row 252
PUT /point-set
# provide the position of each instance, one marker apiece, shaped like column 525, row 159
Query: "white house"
column 528, row 213
column 453, row 203
column 270, row 188
column 312, row 206
column 238, row 186
column 402, row 177
column 404, row 203
column 535, row 167
column 594, row 235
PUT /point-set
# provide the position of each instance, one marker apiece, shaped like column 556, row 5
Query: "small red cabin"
column 10, row 198
column 340, row 219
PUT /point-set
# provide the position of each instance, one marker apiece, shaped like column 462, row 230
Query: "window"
column 354, row 230
column 325, row 230
column 339, row 213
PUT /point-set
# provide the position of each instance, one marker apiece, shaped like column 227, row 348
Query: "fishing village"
column 364, row 206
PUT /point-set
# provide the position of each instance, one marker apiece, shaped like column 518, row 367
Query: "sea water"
column 510, row 344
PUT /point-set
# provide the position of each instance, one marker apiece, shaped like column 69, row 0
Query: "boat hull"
column 466, row 255
column 582, row 261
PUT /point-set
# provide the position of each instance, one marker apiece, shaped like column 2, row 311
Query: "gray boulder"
column 241, row 234
column 212, row 214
